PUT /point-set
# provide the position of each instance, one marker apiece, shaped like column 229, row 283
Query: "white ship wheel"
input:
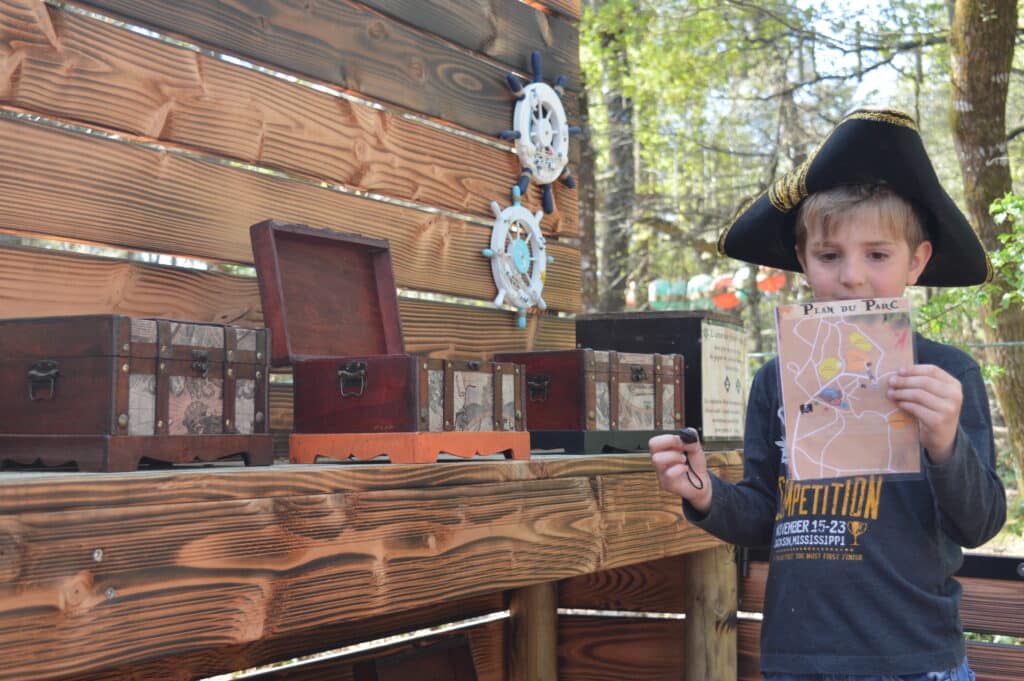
column 543, row 142
column 518, row 257
column 541, row 133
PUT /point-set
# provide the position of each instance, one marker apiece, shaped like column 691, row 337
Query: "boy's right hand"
column 673, row 459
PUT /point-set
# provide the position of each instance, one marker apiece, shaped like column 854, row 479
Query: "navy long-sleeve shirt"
column 861, row 572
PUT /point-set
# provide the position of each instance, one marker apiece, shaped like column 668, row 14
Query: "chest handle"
column 43, row 375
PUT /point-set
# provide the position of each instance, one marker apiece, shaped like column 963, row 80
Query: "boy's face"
column 861, row 258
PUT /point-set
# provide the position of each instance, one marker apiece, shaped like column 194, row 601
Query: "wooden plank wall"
column 135, row 127
column 381, row 120
column 988, row 606
column 376, row 117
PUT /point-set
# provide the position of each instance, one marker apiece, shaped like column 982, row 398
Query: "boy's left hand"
column 933, row 397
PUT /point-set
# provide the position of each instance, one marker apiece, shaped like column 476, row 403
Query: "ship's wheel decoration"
column 518, row 257
column 541, row 133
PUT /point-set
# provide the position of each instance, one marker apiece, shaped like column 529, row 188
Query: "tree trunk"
column 982, row 41
column 620, row 186
column 588, row 207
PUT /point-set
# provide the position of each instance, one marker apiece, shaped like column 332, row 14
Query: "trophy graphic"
column 857, row 528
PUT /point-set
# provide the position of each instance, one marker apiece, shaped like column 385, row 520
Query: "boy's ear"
column 918, row 259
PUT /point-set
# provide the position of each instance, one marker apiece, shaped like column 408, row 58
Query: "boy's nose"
column 851, row 274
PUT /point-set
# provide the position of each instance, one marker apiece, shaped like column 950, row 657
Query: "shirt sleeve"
column 744, row 513
column 970, row 496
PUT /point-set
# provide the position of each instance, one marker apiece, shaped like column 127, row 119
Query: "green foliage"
column 726, row 96
column 952, row 314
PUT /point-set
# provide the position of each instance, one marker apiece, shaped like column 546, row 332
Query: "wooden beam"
column 272, row 649
column 748, row 650
column 104, row 571
column 346, row 44
column 36, row 283
column 569, row 8
column 23, row 492
column 995, row 662
column 168, row 93
column 505, row 31
column 992, row 606
column 534, row 633
column 653, row 586
column 710, row 640
column 611, row 648
column 101, row 191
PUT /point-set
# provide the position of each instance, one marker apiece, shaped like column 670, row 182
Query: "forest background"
column 695, row 107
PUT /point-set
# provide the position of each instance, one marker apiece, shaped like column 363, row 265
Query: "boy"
column 864, row 217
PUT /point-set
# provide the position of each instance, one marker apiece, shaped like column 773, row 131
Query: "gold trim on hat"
column 888, row 116
column 791, row 188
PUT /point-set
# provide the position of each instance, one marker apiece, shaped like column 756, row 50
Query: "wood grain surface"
column 486, row 650
column 41, row 492
column 101, row 191
column 73, row 67
column 710, row 604
column 570, row 8
column 992, row 606
column 346, row 44
column 222, row 568
column 505, row 31
column 653, row 586
column 35, row 283
column 611, row 649
column 996, row 662
column 269, row 650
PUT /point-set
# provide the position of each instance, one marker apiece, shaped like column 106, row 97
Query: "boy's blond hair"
column 821, row 212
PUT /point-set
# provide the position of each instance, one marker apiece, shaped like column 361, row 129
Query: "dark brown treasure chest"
column 107, row 391
column 331, row 302
column 589, row 401
column 714, row 346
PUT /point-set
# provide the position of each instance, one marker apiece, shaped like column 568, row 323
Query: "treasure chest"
column 714, row 347
column 331, row 302
column 108, row 391
column 590, row 401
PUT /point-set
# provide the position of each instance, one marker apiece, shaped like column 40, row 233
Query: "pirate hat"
column 866, row 147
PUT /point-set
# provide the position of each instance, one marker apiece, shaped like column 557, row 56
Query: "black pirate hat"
column 866, row 147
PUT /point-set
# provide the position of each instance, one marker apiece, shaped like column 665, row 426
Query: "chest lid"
column 325, row 293
column 114, row 335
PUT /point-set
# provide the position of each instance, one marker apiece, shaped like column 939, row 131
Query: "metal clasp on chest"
column 201, row 362
column 352, row 379
column 43, row 375
column 539, row 387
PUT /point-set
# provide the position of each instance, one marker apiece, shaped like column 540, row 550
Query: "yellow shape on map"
column 860, row 342
column 829, row 367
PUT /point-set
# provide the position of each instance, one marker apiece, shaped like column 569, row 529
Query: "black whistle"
column 689, row 436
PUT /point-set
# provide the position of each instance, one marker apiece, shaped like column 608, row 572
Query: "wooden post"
column 533, row 654
column 711, row 603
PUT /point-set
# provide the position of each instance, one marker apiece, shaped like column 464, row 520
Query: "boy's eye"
column 827, row 256
column 878, row 255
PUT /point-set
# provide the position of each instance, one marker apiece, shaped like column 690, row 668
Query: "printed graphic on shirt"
column 835, row 360
column 825, row 520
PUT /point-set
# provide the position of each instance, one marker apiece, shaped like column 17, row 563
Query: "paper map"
column 835, row 360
